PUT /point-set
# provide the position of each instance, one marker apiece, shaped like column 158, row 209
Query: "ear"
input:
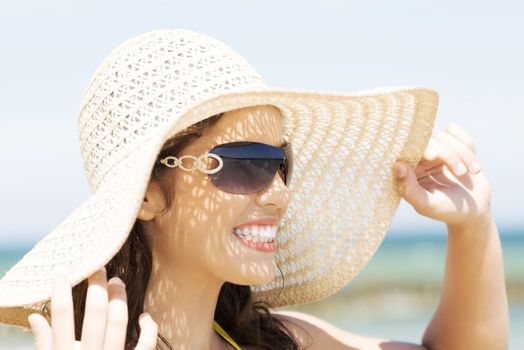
column 153, row 202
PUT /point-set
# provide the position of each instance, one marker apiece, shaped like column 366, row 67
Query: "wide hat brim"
column 343, row 194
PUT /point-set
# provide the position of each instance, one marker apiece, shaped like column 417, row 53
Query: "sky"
column 470, row 51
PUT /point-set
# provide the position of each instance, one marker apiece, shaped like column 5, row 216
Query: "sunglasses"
column 242, row 167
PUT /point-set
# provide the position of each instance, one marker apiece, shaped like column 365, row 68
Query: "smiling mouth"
column 260, row 246
column 258, row 237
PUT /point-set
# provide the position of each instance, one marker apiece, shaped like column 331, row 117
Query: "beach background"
column 469, row 50
column 393, row 297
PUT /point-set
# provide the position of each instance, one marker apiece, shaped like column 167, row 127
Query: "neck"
column 182, row 301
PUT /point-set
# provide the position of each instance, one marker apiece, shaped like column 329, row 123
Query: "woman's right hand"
column 105, row 319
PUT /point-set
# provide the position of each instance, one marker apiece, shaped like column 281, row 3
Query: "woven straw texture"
column 343, row 194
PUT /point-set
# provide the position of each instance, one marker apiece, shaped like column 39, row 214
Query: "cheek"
column 202, row 221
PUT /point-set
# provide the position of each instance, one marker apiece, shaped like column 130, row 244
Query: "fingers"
column 409, row 187
column 421, row 196
column 148, row 333
column 448, row 156
column 430, row 153
column 452, row 160
column 105, row 320
column 41, row 331
column 62, row 318
column 94, row 325
column 461, row 150
column 456, row 152
column 117, row 316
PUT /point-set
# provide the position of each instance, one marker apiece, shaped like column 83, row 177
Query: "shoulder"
column 314, row 333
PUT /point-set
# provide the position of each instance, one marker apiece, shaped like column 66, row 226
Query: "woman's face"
column 197, row 231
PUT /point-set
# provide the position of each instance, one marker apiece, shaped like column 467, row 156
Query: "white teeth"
column 257, row 233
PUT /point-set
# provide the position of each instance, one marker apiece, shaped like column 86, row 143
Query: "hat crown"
column 146, row 82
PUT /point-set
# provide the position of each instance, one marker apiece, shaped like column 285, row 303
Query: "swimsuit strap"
column 224, row 335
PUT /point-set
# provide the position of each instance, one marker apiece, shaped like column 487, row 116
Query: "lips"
column 260, row 221
column 260, row 246
column 258, row 237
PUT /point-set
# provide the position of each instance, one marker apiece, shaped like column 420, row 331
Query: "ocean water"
column 394, row 296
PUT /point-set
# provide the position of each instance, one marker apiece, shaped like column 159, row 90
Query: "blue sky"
column 471, row 51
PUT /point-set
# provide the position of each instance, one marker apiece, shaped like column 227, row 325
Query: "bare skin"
column 473, row 309
column 195, row 252
column 194, row 238
column 106, row 314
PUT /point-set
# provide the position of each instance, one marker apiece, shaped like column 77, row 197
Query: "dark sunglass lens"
column 244, row 176
column 248, row 167
column 287, row 165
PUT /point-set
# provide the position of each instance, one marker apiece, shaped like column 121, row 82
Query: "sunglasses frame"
column 199, row 162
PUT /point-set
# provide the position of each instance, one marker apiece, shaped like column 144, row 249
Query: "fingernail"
column 401, row 171
column 430, row 152
column 460, row 168
column 145, row 314
column 31, row 321
column 475, row 166
column 117, row 281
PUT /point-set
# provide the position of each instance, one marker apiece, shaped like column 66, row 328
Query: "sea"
column 393, row 297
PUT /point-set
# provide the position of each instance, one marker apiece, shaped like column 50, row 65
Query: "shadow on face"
column 194, row 237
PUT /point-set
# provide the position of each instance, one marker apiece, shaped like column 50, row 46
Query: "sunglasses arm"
column 198, row 164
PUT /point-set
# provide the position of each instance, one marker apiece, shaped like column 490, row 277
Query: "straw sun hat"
column 343, row 192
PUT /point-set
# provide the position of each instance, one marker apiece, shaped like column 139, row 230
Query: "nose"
column 277, row 194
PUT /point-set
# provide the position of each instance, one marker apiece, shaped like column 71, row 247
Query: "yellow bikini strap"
column 224, row 335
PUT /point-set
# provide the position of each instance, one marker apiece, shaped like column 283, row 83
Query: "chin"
column 256, row 274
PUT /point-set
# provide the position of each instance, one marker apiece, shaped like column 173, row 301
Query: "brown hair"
column 248, row 322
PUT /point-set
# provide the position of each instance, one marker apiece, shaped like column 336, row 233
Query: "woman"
column 216, row 199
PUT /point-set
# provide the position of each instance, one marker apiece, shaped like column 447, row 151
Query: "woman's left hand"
column 457, row 197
